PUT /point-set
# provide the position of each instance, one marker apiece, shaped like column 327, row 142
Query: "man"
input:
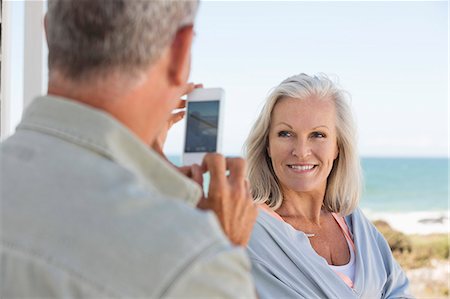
column 88, row 209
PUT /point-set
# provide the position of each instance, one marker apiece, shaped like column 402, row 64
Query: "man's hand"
column 229, row 197
column 194, row 172
column 158, row 144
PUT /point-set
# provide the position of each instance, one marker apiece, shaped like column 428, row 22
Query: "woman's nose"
column 301, row 150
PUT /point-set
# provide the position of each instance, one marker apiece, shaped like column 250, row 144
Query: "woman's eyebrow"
column 318, row 127
column 283, row 123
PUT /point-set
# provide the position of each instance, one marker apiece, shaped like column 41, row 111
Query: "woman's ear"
column 336, row 155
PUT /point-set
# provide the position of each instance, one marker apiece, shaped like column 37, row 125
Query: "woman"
column 310, row 239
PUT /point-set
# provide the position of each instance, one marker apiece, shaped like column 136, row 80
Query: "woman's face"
column 302, row 143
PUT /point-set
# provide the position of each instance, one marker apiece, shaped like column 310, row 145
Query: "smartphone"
column 203, row 124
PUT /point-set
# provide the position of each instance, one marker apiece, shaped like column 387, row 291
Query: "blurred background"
column 391, row 56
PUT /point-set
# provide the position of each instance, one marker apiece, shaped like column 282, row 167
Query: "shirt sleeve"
column 268, row 285
column 218, row 273
column 397, row 284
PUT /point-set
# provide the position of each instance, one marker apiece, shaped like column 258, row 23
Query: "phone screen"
column 201, row 127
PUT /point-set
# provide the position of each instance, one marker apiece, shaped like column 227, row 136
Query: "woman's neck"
column 305, row 206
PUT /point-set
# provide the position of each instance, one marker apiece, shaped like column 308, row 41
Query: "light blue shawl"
column 284, row 265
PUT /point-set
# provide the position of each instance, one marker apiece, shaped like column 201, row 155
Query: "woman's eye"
column 318, row 135
column 284, row 134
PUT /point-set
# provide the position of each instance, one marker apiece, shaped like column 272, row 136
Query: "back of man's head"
column 92, row 38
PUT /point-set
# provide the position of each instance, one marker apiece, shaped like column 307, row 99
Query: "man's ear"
column 180, row 54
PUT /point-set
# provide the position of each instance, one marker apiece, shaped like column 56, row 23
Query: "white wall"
column 35, row 51
column 24, row 66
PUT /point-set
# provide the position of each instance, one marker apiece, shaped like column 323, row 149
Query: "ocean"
column 405, row 184
column 400, row 184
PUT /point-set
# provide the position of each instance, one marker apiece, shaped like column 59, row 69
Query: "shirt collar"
column 101, row 133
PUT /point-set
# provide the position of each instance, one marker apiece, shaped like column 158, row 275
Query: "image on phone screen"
column 201, row 127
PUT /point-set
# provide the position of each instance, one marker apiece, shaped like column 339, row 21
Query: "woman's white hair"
column 344, row 183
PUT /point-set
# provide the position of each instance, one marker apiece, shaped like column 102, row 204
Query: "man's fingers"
column 177, row 116
column 188, row 88
column 247, row 188
column 174, row 118
column 216, row 165
column 181, row 104
column 237, row 168
column 185, row 170
column 229, row 198
column 197, row 174
column 194, row 172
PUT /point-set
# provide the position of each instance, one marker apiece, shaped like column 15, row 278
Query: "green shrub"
column 397, row 241
column 414, row 251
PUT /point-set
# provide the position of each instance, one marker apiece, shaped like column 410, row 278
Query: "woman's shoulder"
column 265, row 225
column 271, row 233
column 357, row 217
column 363, row 228
column 268, row 232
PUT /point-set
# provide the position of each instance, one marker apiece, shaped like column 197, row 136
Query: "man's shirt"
column 88, row 210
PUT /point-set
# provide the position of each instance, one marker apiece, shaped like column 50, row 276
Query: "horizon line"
column 361, row 156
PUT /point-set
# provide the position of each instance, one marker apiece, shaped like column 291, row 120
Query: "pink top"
column 341, row 222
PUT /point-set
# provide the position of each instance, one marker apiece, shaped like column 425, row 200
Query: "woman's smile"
column 302, row 168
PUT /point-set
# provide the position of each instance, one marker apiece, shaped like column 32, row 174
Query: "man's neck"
column 139, row 104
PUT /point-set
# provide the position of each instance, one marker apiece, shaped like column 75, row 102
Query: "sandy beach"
column 420, row 223
column 430, row 275
column 432, row 281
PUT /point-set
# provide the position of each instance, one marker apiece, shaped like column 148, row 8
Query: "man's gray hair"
column 87, row 37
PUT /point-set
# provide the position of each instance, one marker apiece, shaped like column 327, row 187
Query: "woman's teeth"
column 301, row 167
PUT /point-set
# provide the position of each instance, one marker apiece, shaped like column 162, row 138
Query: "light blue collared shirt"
column 88, row 210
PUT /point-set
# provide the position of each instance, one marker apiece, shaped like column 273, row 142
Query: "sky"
column 392, row 57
